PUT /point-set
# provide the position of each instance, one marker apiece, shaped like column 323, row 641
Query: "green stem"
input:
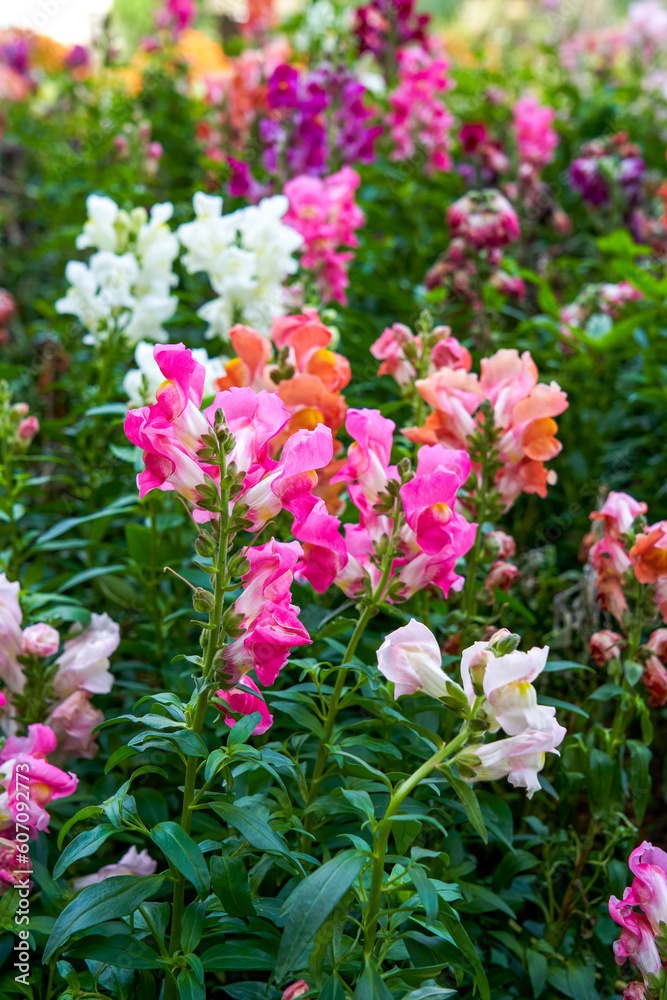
column 367, row 614
column 383, row 831
column 322, row 753
column 213, row 638
column 469, row 596
column 155, row 583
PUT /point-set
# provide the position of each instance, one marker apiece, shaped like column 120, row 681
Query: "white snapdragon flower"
column 115, row 275
column 126, row 292
column 247, row 255
column 140, row 383
column 148, row 315
column 82, row 300
column 99, row 231
column 208, row 235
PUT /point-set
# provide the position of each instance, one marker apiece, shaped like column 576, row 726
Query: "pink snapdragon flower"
column 605, row 646
column 241, row 700
column 398, row 340
column 296, row 990
column 619, row 513
column 40, row 640
column 637, row 940
column 11, row 638
column 484, row 220
column 73, row 721
column 500, row 544
column 535, row 137
column 324, row 212
column 170, row 430
column 418, row 117
column 649, row 889
column 84, row 663
column 501, row 576
column 133, row 862
column 26, row 756
column 270, row 620
column 640, row 926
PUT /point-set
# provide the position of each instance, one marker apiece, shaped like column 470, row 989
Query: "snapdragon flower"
column 247, row 255
column 497, row 682
column 124, row 290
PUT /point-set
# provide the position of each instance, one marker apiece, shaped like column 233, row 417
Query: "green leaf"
column 193, row 925
column 640, row 777
column 258, row 833
column 556, row 666
column 84, row 813
column 537, row 970
column 557, row 703
column 116, row 896
column 468, row 800
column 311, row 903
column 427, row 892
column 371, row 986
column 184, row 854
column 450, row 919
column 189, row 987
column 243, row 729
column 606, row 692
column 601, row 773
column 85, row 844
column 121, row 950
column 235, row 956
column 119, row 506
column 229, row 879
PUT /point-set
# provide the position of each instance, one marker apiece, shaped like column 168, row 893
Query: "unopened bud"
column 203, row 600
column 504, row 641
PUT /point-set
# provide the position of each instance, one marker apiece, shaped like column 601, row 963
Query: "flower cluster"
column 305, row 373
column 141, row 383
column 522, row 409
column 125, row 287
column 177, row 438
column 595, row 301
column 497, row 682
column 628, row 544
column 384, row 24
column 28, row 783
column 481, row 223
column 56, row 689
column 310, row 114
column 418, row 119
column 609, row 168
column 642, row 915
column 420, row 545
column 404, row 355
column 535, row 138
column 324, row 212
column 247, row 256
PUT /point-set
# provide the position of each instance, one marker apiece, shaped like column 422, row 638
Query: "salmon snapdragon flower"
column 297, row 364
column 523, row 412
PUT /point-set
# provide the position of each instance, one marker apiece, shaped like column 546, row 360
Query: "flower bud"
column 40, row 640
column 203, row 600
column 504, row 642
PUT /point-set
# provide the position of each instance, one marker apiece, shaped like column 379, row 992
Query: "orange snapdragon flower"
column 307, row 375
